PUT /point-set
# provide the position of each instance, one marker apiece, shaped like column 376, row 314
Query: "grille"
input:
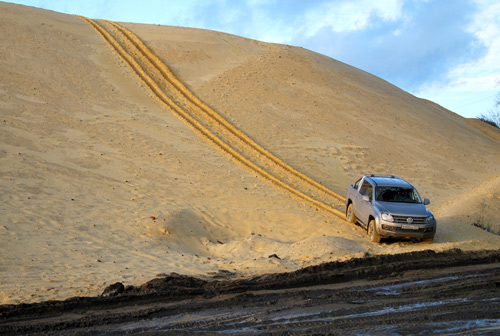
column 404, row 220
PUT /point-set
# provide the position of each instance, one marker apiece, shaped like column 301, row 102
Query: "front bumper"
column 390, row 229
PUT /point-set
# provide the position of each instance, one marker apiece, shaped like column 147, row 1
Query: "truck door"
column 364, row 208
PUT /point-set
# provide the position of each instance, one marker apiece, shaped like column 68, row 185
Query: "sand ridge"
column 100, row 183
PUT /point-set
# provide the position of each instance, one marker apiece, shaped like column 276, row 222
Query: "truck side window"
column 366, row 189
column 370, row 191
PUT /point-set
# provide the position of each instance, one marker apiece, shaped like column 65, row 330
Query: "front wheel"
column 372, row 232
column 351, row 217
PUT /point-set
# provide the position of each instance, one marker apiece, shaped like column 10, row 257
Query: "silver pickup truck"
column 388, row 206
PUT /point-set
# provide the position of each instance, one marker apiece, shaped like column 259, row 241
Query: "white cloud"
column 470, row 88
column 349, row 15
column 271, row 23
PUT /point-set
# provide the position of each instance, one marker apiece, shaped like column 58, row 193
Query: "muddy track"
column 171, row 93
column 417, row 293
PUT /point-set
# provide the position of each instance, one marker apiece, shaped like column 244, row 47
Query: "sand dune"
column 101, row 183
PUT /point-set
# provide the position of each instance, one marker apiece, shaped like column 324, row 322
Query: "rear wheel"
column 372, row 232
column 351, row 217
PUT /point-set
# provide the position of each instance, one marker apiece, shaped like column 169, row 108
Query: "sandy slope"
column 100, row 184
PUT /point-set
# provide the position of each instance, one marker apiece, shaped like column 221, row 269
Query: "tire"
column 351, row 217
column 372, row 232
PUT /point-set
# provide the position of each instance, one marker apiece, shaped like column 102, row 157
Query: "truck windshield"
column 397, row 194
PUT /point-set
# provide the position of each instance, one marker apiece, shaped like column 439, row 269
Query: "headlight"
column 387, row 217
column 429, row 219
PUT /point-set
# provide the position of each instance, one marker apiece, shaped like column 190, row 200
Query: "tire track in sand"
column 173, row 95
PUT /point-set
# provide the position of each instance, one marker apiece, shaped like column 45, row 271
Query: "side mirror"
column 366, row 198
column 427, row 201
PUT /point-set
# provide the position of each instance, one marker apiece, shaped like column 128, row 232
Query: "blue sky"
column 447, row 51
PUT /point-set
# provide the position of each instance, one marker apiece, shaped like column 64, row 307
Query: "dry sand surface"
column 100, row 183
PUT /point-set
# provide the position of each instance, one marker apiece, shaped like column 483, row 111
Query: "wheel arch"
column 348, row 201
column 374, row 218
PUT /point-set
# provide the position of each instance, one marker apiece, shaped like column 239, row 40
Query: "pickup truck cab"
column 388, row 206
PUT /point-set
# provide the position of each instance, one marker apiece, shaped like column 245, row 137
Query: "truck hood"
column 404, row 209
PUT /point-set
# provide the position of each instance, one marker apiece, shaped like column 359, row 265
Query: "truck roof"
column 388, row 180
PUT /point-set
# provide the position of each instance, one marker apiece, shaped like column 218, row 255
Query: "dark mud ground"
column 418, row 293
